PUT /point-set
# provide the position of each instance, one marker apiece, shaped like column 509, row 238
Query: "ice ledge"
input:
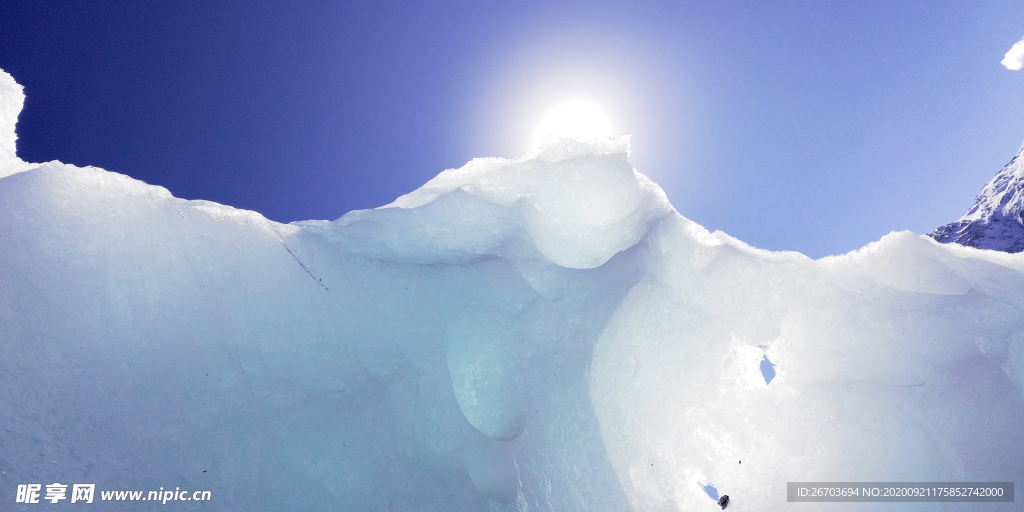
column 574, row 202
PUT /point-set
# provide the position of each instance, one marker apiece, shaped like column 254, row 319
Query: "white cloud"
column 1014, row 59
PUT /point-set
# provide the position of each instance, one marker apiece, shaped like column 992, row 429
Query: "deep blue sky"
column 809, row 126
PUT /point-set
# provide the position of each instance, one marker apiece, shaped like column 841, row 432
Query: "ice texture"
column 542, row 333
column 996, row 221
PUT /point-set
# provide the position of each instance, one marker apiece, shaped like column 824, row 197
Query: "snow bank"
column 544, row 333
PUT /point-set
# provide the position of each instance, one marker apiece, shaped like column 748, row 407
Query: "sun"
column 574, row 118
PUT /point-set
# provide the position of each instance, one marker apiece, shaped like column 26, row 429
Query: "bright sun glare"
column 575, row 119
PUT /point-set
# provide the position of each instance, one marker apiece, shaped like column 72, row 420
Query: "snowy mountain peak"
column 996, row 221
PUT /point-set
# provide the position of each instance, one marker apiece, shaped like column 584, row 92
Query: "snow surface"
column 544, row 333
column 996, row 221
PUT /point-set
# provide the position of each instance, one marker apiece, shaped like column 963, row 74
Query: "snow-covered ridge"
column 544, row 333
column 996, row 221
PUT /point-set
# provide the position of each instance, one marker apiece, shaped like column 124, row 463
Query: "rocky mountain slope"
column 995, row 221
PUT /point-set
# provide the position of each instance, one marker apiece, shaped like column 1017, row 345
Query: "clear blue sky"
column 808, row 126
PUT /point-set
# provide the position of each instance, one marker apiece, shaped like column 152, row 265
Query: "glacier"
column 543, row 333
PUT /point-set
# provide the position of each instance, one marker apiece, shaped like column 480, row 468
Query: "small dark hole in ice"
column 767, row 370
column 712, row 492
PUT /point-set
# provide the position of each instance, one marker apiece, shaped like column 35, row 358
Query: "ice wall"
column 544, row 333
column 11, row 100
